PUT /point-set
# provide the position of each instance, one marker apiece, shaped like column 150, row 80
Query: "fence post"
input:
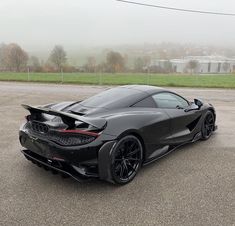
column 100, row 79
column 148, row 78
column 28, row 74
column 62, row 75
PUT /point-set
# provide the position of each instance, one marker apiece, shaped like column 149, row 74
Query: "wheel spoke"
column 126, row 168
column 131, row 166
column 208, row 131
column 118, row 166
column 131, row 147
column 132, row 159
column 117, row 160
column 208, row 125
column 121, row 171
column 133, row 152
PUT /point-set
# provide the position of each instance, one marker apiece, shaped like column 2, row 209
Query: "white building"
column 205, row 64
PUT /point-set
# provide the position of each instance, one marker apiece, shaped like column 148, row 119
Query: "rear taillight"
column 84, row 132
column 62, row 137
column 74, row 137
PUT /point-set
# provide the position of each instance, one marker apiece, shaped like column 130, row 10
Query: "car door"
column 156, row 129
column 182, row 122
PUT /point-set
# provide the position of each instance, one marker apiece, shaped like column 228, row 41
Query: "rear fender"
column 105, row 161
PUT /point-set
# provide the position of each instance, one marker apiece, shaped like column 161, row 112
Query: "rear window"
column 109, row 96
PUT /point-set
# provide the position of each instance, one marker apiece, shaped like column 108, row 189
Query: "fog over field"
column 40, row 24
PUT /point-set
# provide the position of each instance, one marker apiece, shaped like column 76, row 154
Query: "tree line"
column 14, row 58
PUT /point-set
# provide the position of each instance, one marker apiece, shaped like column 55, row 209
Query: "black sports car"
column 112, row 134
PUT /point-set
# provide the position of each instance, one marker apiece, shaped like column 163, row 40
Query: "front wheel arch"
column 213, row 112
column 209, row 127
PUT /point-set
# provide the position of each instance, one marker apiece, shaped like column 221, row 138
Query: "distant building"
column 205, row 64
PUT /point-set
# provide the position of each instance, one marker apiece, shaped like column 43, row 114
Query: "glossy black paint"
column 112, row 116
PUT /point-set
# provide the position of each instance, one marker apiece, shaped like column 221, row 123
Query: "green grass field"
column 211, row 81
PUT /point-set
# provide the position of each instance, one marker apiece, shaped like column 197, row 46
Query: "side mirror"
column 198, row 102
column 196, row 105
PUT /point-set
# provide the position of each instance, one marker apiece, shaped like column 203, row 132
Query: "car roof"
column 118, row 97
column 145, row 88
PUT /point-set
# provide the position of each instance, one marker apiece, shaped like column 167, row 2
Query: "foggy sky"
column 36, row 24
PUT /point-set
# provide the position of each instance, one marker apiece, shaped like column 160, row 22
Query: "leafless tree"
column 115, row 62
column 192, row 65
column 139, row 64
column 15, row 57
column 102, row 67
column 34, row 64
column 3, row 48
column 91, row 64
column 58, row 57
column 147, row 60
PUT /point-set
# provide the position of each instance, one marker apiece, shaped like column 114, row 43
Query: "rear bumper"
column 54, row 166
column 79, row 162
column 50, row 150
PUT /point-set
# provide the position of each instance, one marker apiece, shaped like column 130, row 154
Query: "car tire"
column 126, row 159
column 208, row 125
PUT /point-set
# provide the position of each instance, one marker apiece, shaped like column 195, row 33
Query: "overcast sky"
column 44, row 23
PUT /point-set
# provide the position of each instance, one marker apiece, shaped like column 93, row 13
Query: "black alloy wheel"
column 208, row 125
column 126, row 159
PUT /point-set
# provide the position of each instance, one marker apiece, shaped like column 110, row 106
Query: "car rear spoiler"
column 68, row 118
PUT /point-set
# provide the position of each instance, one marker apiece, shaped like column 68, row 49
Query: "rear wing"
column 67, row 118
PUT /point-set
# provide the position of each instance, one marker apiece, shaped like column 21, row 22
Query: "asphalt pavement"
column 194, row 185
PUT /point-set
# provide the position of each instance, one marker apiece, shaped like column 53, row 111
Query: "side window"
column 145, row 103
column 169, row 100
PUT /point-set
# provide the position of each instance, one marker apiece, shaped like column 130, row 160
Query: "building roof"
column 204, row 59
